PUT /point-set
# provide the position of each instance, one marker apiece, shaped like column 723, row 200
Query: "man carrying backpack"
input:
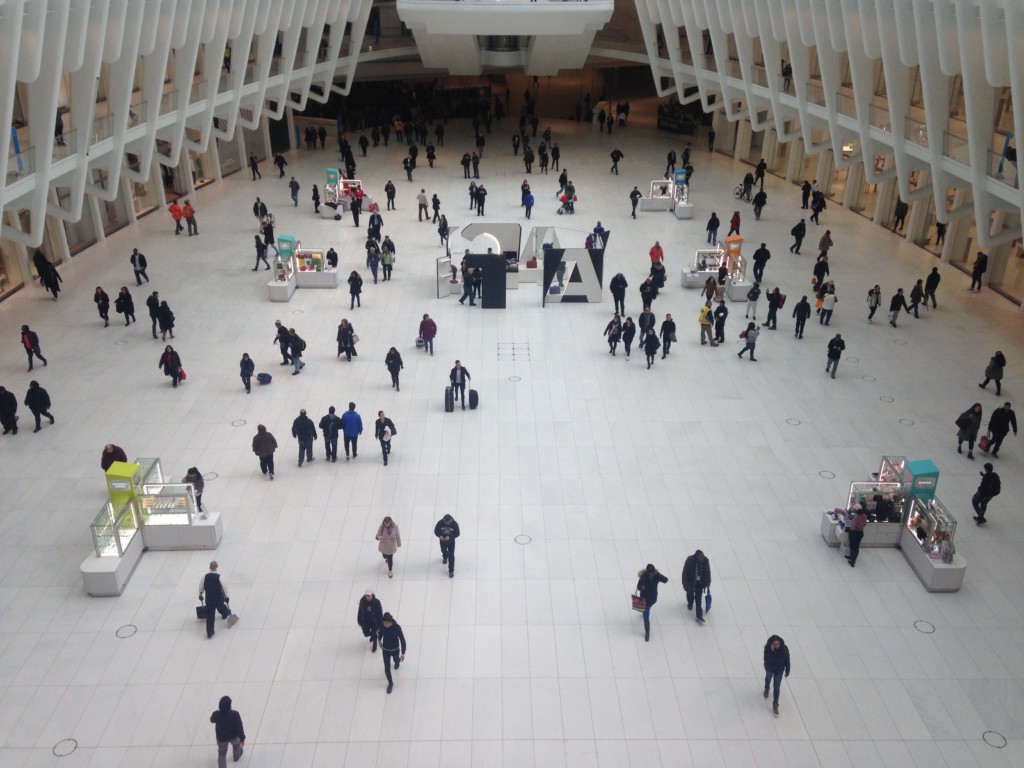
column 990, row 488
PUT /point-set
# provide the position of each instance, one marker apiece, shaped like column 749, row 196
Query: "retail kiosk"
column 660, row 197
column 736, row 284
column 312, row 270
column 284, row 283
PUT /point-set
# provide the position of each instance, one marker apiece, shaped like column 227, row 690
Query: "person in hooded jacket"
column 368, row 617
column 651, row 346
column 393, row 362
column 776, row 664
column 8, row 411
column 994, row 372
column 229, row 730
column 355, row 288
column 171, row 364
column 647, row 587
column 38, row 401
column 801, row 312
column 447, row 531
column 194, row 477
column 618, row 288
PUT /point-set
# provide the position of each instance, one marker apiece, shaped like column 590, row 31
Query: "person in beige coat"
column 389, row 541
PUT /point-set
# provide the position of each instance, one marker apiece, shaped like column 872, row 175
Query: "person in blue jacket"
column 776, row 663
column 352, row 428
column 647, row 586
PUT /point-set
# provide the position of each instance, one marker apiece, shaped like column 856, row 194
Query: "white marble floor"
column 530, row 656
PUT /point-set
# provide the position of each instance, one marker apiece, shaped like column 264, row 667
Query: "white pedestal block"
column 656, row 204
column 936, row 575
column 278, row 291
column 684, row 210
column 202, row 534
column 528, row 275
column 739, row 291
column 697, row 279
column 108, row 576
column 326, row 279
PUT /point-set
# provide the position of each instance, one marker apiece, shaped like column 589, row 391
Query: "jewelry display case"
column 311, row 270
column 171, row 520
column 117, row 550
column 883, row 502
column 927, row 543
column 660, row 196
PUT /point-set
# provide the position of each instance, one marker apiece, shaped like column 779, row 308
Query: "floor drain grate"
column 514, row 351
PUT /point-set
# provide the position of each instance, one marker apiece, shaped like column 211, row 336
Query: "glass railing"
column 815, row 94
column 64, row 146
column 879, row 117
column 734, row 69
column 198, row 92
column 1001, row 169
column 102, row 128
column 915, row 131
column 709, row 63
column 20, row 162
column 759, row 76
column 956, row 148
column 137, row 113
column 845, row 105
column 168, row 102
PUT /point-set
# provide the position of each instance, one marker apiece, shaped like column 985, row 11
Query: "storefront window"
column 1011, row 280
column 202, row 162
column 113, row 215
column 228, row 153
column 11, row 277
column 81, row 234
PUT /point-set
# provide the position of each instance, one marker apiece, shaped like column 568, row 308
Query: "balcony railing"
column 1001, row 169
column 815, row 94
column 20, row 162
column 915, row 131
column 956, row 148
column 845, row 105
column 879, row 117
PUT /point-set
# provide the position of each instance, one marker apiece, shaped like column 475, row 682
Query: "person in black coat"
column 447, row 531
column 459, row 377
column 8, row 412
column 799, row 232
column 776, row 663
column 125, row 305
column 614, row 333
column 628, row 334
column 38, row 401
column 369, row 615
column 346, row 340
column 648, row 293
column 330, row 425
column 651, row 346
column 647, row 587
column 392, row 645
column 801, row 312
column 102, row 305
column 721, row 315
column 988, row 489
column 229, row 730
column 384, row 430
column 171, row 364
column 138, row 261
column 165, row 319
column 696, row 579
column 355, row 287
column 774, row 299
column 618, row 287
column 999, row 427
column 152, row 304
column 246, row 368
column 393, row 362
column 668, row 335
column 216, row 597
column 304, row 430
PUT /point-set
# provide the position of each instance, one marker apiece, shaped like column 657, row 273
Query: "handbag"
column 707, row 601
column 355, row 338
column 202, row 610
column 183, row 374
column 672, row 338
column 984, row 443
column 639, row 603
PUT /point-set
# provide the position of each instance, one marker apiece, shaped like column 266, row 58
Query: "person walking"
column 388, row 539
column 968, row 423
column 776, row 664
column 346, row 340
column 705, row 320
column 355, row 288
column 752, row 296
column 38, row 401
column 296, row 346
column 30, row 341
column 801, row 312
column 931, row 283
column 999, row 427
column 427, row 331
column 264, row 445
column 369, row 616
column 254, row 166
column 304, row 431
column 750, row 334
column 614, row 333
column 280, row 162
column 177, row 216
column 696, row 579
column 447, row 531
column 634, row 199
column 190, row 218
column 896, row 303
column 124, row 305
column 618, row 288
column 393, row 362
column 293, row 186
column 712, row 228
column 261, row 254
column 799, row 232
column 259, row 210
column 171, row 365
column 459, row 377
column 647, row 588
column 281, row 339
column 8, row 411
column 978, row 271
column 628, row 333
column 316, row 199
column 246, row 369
column 668, row 335
column 216, row 598
column 835, row 350
column 650, row 345
column 229, row 730
column 855, row 531
column 994, row 372
column 721, row 315
column 734, row 224
column 352, row 428
column 760, row 260
column 330, row 424
column 392, row 645
column 102, row 301
column 989, row 488
column 528, row 203
column 760, row 201
column 138, row 262
column 616, row 155
column 384, row 430
column 774, row 302
column 821, row 270
column 268, row 235
column 165, row 319
column 389, row 193
column 828, row 305
column 874, row 300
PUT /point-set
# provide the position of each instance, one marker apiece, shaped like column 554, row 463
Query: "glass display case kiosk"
column 682, row 207
column 170, row 519
column 921, row 478
column 330, row 207
column 706, row 262
column 311, row 269
column 660, row 196
column 117, row 549
column 884, row 503
column 736, row 283
column 927, row 543
column 284, row 283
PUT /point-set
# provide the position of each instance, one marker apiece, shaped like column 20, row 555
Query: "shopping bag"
column 707, row 601
column 202, row 610
column 639, row 603
column 984, row 443
column 183, row 374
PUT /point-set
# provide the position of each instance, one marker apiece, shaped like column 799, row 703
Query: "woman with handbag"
column 393, row 362
column 647, row 590
column 968, row 423
column 346, row 340
column 171, row 364
column 389, row 540
column 614, row 333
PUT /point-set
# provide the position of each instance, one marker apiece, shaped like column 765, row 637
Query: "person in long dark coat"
column 393, row 362
column 125, row 305
column 165, row 318
column 102, row 305
column 171, row 364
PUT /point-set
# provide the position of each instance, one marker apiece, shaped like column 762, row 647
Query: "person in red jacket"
column 177, row 214
column 112, row 453
column 734, row 223
column 657, row 253
column 428, row 330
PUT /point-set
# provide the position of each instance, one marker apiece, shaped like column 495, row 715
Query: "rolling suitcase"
column 474, row 399
column 449, row 400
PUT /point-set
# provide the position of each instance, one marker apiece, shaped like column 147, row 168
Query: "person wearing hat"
column 392, row 645
column 990, row 488
column 855, row 530
column 647, row 586
column 368, row 617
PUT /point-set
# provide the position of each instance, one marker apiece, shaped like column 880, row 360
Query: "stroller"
column 568, row 205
